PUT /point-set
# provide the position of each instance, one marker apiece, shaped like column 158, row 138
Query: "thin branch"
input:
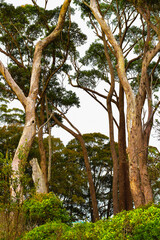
column 62, row 114
column 151, row 116
column 13, row 40
column 40, row 13
column 45, row 123
column 13, row 58
column 133, row 60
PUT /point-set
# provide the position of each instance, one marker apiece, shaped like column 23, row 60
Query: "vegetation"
column 46, row 188
column 139, row 224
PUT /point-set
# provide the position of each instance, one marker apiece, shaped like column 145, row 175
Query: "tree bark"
column 49, row 142
column 90, row 179
column 38, row 177
column 125, row 197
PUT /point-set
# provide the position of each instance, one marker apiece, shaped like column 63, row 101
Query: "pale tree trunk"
column 29, row 102
column 24, row 146
column 137, row 166
column 38, row 177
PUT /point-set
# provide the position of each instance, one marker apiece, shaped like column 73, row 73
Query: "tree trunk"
column 87, row 165
column 49, row 142
column 90, row 180
column 24, row 145
column 125, row 197
column 111, row 132
column 38, row 177
column 139, row 179
column 43, row 161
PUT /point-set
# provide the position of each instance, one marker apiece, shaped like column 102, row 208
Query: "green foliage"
column 76, row 193
column 5, row 179
column 139, row 224
column 51, row 230
column 42, row 208
column 152, row 4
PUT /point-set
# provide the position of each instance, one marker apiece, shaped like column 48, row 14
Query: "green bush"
column 48, row 231
column 42, row 208
column 140, row 224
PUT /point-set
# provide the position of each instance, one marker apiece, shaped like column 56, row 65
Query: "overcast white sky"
column 91, row 117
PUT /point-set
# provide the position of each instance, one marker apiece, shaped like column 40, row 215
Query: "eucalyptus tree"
column 120, row 42
column 16, row 32
column 88, row 80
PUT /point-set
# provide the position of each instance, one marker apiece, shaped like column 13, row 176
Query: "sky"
column 90, row 117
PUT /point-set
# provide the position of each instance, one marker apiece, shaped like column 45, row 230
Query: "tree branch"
column 13, row 84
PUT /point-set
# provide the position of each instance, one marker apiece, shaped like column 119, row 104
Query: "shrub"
column 42, row 208
column 48, row 231
column 140, row 224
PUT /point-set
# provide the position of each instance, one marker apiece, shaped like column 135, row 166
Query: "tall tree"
column 77, row 134
column 53, row 63
column 149, row 46
column 138, row 134
column 29, row 101
column 69, row 178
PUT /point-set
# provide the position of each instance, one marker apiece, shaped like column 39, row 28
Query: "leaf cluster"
column 42, row 208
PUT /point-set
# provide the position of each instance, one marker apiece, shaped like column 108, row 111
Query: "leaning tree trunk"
column 79, row 137
column 24, row 146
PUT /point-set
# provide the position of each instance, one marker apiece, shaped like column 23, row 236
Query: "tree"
column 99, row 59
column 98, row 148
column 69, row 178
column 138, row 131
column 54, row 58
column 77, row 134
column 29, row 101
